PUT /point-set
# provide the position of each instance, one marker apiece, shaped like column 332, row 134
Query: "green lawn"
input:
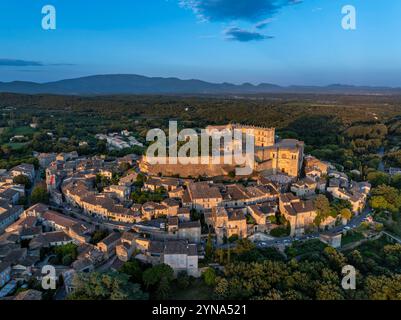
column 351, row 237
column 23, row 131
column 17, row 145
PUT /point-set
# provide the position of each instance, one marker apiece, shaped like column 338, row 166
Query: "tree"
column 209, row 276
column 396, row 181
column 221, row 290
column 356, row 258
column 335, row 258
column 377, row 178
column 346, row 214
column 323, row 208
column 328, row 291
column 379, row 203
column 392, row 255
column 67, row 260
column 244, row 246
column 99, row 235
column 281, row 231
column 163, row 289
column 133, row 269
column 383, row 287
column 390, row 194
column 233, row 238
column 24, row 180
column 195, row 215
column 209, row 247
column 140, row 180
column 183, row 280
column 154, row 275
column 339, row 204
column 67, row 254
column 39, row 194
column 105, row 286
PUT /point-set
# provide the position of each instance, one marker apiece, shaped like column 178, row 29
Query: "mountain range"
column 137, row 84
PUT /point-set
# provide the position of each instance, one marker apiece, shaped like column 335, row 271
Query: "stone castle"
column 285, row 156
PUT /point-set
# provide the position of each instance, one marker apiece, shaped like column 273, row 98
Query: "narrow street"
column 93, row 220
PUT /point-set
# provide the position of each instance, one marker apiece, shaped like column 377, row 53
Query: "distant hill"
column 137, row 84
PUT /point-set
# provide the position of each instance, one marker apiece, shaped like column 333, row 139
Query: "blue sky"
column 276, row 41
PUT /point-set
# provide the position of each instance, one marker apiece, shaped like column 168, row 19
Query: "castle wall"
column 189, row 170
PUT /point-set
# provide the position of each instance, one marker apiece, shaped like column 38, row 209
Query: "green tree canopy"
column 323, row 208
column 346, row 214
column 39, row 194
column 154, row 275
column 24, row 180
column 105, row 286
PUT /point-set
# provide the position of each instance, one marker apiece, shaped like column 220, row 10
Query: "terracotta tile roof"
column 202, row 190
column 56, row 236
column 59, row 219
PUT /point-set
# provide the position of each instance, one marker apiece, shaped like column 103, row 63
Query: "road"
column 93, row 220
column 352, row 224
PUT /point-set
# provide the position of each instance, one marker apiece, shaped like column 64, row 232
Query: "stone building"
column 300, row 214
column 238, row 196
column 180, row 255
column 127, row 246
column 259, row 215
column 227, row 223
column 202, row 196
column 263, row 137
column 304, row 188
column 108, row 245
column 285, row 156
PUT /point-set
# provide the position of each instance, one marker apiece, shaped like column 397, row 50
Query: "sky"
column 285, row 42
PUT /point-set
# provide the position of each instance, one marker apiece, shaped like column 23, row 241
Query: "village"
column 126, row 208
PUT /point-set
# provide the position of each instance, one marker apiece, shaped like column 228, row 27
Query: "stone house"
column 108, row 245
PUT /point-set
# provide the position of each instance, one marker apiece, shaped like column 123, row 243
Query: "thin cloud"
column 62, row 64
column 29, row 63
column 19, row 63
column 242, row 35
column 264, row 23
